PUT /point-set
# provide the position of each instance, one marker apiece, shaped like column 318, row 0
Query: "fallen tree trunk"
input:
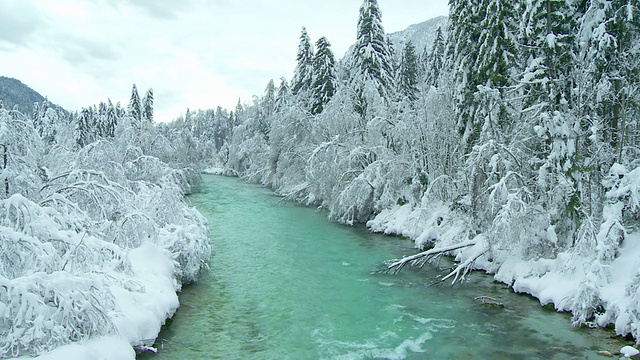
column 422, row 258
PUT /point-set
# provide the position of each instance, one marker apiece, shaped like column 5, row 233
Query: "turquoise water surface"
column 285, row 283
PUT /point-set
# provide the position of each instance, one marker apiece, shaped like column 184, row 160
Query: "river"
column 285, row 283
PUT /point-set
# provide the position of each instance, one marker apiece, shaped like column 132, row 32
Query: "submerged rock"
column 488, row 301
column 605, row 353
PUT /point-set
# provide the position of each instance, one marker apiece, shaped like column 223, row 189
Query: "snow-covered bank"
column 219, row 170
column 137, row 312
column 569, row 281
column 95, row 239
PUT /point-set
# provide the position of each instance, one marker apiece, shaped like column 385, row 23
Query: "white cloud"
column 196, row 54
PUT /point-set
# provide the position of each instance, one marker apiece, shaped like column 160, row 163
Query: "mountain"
column 421, row 35
column 14, row 93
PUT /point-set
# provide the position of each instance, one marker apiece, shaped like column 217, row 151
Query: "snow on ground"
column 629, row 351
column 142, row 314
column 102, row 348
column 137, row 315
column 219, row 170
column 214, row 171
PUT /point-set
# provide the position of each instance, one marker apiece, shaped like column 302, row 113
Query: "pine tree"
column 408, row 73
column 111, row 119
column 101, row 118
column 269, row 99
column 303, row 74
column 495, row 67
column 147, row 105
column 36, row 118
column 435, row 60
column 612, row 33
column 324, row 75
column 371, row 65
column 238, row 117
column 372, row 56
column 282, row 99
column 549, row 52
column 135, row 105
column 83, row 130
column 462, row 44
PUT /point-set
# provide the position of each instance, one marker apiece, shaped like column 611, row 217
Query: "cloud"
column 78, row 50
column 20, row 21
column 162, row 9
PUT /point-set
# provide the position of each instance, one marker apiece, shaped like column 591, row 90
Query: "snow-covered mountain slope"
column 421, row 35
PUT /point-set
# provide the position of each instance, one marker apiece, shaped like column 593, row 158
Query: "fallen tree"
column 477, row 248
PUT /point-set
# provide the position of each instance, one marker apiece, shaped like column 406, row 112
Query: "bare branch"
column 399, row 264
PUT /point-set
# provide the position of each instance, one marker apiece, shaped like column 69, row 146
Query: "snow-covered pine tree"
column 408, row 73
column 495, row 67
column 610, row 38
column 282, row 98
column 550, row 51
column 435, row 59
column 371, row 63
column 35, row 118
column 83, row 129
column 269, row 99
column 101, row 120
column 147, row 105
column 135, row 104
column 324, row 75
column 462, row 52
column 303, row 74
column 239, row 116
column 111, row 119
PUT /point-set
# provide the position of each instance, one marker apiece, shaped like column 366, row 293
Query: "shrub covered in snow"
column 71, row 223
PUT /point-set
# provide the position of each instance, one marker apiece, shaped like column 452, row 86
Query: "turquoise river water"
column 285, row 283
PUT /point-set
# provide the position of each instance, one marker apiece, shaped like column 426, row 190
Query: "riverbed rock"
column 629, row 351
column 605, row 353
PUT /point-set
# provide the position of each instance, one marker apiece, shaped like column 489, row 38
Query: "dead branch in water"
column 420, row 259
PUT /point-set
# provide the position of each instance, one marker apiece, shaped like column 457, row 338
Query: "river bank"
column 562, row 282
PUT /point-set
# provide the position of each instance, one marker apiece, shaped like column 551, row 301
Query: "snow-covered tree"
column 302, row 82
column 134, row 109
column 324, row 76
column 147, row 105
column 269, row 99
column 282, row 98
column 435, row 59
column 462, row 52
column 371, row 65
column 408, row 74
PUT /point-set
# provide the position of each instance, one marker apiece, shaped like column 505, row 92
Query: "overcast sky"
column 193, row 53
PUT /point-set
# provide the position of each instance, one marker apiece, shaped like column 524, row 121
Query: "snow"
column 102, row 348
column 421, row 35
column 142, row 314
column 137, row 315
column 629, row 351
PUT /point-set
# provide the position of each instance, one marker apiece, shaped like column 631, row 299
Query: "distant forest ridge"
column 15, row 94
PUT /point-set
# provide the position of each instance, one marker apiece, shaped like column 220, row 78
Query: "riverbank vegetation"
column 515, row 135
column 95, row 236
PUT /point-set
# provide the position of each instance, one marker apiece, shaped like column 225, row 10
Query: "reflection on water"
column 287, row 284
